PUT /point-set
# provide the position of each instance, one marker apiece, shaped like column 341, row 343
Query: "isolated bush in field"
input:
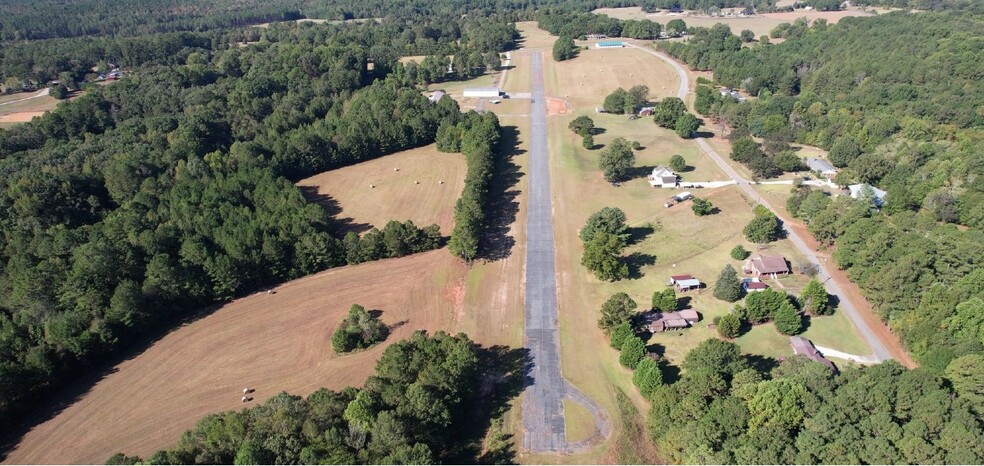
column 616, row 160
column 588, row 142
column 359, row 330
column 582, row 125
column 701, row 207
column 739, row 253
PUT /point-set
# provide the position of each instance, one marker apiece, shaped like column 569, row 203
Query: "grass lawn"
column 518, row 76
column 578, row 422
column 533, row 36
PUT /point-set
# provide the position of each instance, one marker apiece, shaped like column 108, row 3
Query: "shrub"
column 647, row 376
column 677, row 163
column 788, row 320
column 739, row 253
column 729, row 326
column 701, row 207
column 620, row 333
column 359, row 330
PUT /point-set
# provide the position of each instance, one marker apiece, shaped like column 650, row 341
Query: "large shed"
column 482, row 92
column 609, row 44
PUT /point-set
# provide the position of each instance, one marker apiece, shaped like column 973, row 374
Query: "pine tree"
column 788, row 320
column 647, row 376
column 633, row 351
column 727, row 288
column 729, row 325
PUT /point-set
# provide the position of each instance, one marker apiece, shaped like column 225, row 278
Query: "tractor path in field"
column 546, row 388
column 883, row 344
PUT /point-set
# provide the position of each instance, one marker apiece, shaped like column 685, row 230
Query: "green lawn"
column 578, row 422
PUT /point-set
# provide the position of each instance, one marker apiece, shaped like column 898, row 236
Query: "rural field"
column 22, row 107
column 270, row 342
column 345, row 192
column 665, row 241
column 760, row 24
column 595, row 73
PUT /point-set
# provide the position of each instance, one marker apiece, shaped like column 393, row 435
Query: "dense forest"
column 727, row 408
column 418, row 408
column 896, row 100
column 170, row 190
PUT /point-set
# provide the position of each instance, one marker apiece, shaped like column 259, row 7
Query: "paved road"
column 543, row 407
column 881, row 352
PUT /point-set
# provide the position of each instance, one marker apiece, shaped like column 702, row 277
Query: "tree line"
column 170, row 190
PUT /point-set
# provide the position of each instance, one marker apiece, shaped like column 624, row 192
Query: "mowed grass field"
column 759, row 24
column 270, row 342
column 396, row 196
column 19, row 108
column 665, row 241
column 586, row 80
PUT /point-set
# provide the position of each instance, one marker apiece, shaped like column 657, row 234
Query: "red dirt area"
column 889, row 339
column 557, row 106
column 271, row 342
column 20, row 117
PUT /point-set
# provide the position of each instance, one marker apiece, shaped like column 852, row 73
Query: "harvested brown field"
column 270, row 342
column 396, row 194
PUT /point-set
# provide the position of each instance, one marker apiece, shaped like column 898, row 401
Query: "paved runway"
column 543, row 407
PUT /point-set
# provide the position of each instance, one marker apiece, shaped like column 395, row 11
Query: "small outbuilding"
column 436, row 96
column 483, row 92
column 646, row 111
column 684, row 282
column 803, row 347
column 751, row 285
column 609, row 44
column 657, row 322
column 761, row 264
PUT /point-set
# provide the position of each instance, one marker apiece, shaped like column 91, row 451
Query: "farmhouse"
column 751, row 285
column 435, row 97
column 760, row 265
column 684, row 282
column 878, row 196
column 657, row 322
column 481, row 92
column 821, row 166
column 609, row 44
column 663, row 177
column 803, row 347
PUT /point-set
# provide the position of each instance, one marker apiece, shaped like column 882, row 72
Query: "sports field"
column 270, row 342
column 347, row 194
column 759, row 24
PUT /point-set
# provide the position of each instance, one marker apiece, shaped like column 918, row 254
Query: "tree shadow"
column 763, row 364
column 703, row 134
column 497, row 242
column 638, row 234
column 805, row 320
column 683, row 302
column 639, row 172
column 597, row 130
column 503, row 374
column 339, row 225
column 636, row 261
column 687, row 169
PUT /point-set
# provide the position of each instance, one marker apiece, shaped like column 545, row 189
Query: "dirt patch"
column 558, row 106
column 270, row 342
column 20, row 117
column 419, row 184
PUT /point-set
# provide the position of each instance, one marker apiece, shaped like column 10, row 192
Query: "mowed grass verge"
column 347, row 195
column 270, row 342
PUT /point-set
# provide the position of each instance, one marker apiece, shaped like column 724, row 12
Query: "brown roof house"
column 760, row 265
column 657, row 322
column 803, row 347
